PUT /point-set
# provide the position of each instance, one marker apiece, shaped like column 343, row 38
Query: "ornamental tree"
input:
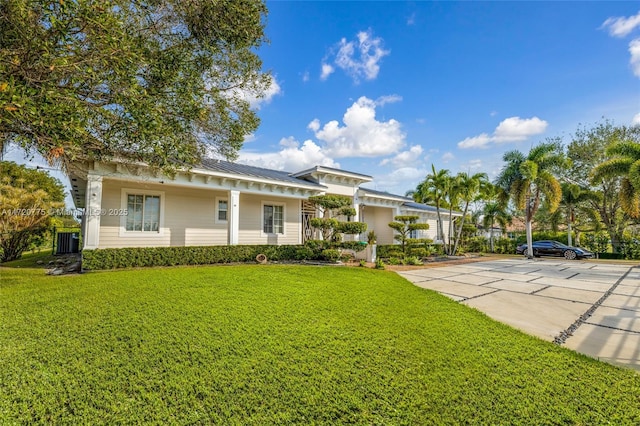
column 334, row 206
column 404, row 225
column 162, row 82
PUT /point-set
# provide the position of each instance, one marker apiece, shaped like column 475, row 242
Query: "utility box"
column 68, row 242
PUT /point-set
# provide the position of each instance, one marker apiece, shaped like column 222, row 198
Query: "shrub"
column 379, row 264
column 504, row 246
column 419, row 252
column 597, row 242
column 477, row 245
column 413, row 260
column 133, row 257
column 331, row 255
column 629, row 248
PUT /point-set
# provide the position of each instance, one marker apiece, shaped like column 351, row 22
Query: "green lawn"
column 281, row 344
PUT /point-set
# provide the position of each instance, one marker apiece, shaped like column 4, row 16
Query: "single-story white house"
column 220, row 203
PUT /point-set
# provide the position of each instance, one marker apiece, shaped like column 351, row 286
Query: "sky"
column 390, row 88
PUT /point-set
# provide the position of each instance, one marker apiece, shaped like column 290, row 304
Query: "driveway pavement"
column 590, row 307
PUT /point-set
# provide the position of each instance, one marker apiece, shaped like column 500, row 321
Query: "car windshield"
column 557, row 244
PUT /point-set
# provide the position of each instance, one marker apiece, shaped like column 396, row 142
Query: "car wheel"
column 570, row 255
column 536, row 253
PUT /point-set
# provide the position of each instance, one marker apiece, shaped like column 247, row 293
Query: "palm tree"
column 625, row 162
column 572, row 196
column 529, row 180
column 493, row 212
column 432, row 190
column 452, row 198
column 468, row 188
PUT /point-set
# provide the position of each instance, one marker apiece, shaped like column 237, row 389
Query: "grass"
column 281, row 344
column 30, row 259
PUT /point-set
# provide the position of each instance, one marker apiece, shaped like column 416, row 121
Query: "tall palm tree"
column 452, row 198
column 529, row 180
column 432, row 190
column 468, row 188
column 624, row 162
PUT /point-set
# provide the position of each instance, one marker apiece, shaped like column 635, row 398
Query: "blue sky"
column 389, row 88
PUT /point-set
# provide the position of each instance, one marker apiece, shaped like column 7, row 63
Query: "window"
column 273, row 219
column 223, row 210
column 143, row 213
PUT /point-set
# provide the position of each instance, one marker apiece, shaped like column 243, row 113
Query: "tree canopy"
column 28, row 199
column 158, row 81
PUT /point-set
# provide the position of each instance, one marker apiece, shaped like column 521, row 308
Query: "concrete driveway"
column 587, row 306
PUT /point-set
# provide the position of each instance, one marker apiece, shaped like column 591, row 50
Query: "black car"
column 555, row 248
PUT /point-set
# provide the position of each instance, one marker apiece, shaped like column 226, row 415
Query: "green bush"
column 629, row 248
column 413, row 260
column 477, row 245
column 134, row 257
column 504, row 245
column 419, row 252
column 332, row 255
column 597, row 242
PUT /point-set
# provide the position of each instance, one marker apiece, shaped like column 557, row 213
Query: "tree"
column 161, row 82
column 572, row 197
column 468, row 188
column 529, row 180
column 493, row 212
column 404, row 225
column 624, row 162
column 332, row 207
column 587, row 150
column 27, row 200
column 432, row 190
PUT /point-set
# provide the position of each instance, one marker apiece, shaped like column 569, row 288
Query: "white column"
column 234, row 217
column 93, row 205
column 356, row 218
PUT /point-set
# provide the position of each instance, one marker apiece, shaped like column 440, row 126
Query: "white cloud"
column 400, row 180
column 621, row 26
column 292, row 156
column 362, row 135
column 411, row 20
column 256, row 101
column 388, row 99
column 314, row 125
column 447, row 156
column 636, row 120
column 634, row 50
column 480, row 141
column 358, row 58
column 475, row 164
column 327, row 70
column 305, row 76
column 512, row 129
column 405, row 158
column 515, row 129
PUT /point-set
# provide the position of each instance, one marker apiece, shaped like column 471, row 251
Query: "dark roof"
column 222, row 166
column 386, row 194
column 419, row 206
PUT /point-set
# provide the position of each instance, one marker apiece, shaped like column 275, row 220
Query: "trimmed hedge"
column 133, row 257
column 136, row 257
